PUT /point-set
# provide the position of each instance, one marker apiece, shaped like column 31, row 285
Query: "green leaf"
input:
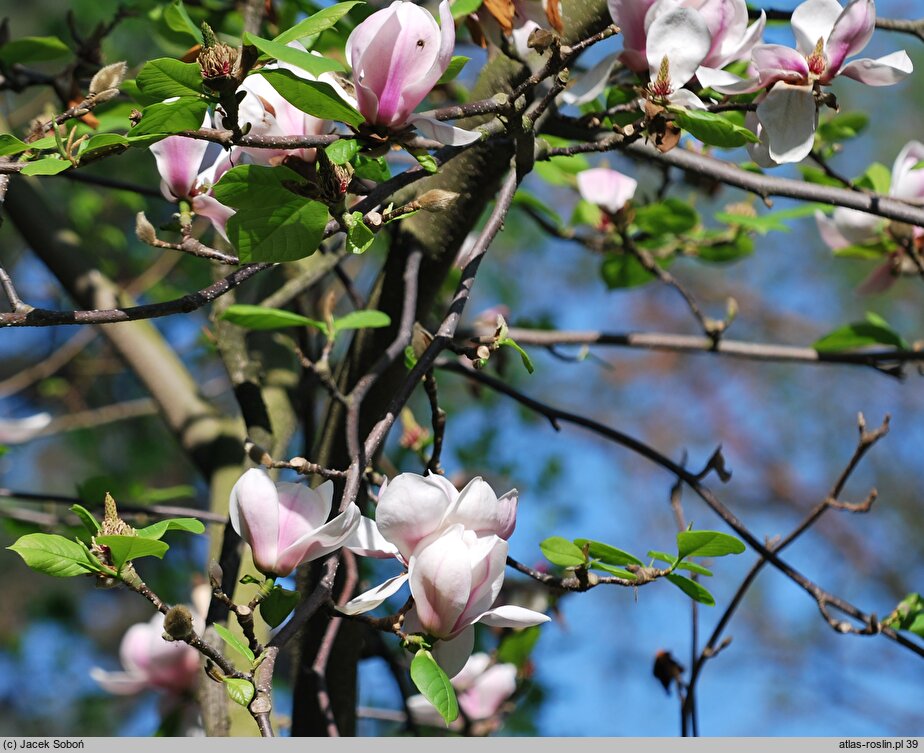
column 692, row 589
column 874, row 251
column 625, row 271
column 103, row 143
column 668, row 217
column 278, row 605
column 670, row 559
column 163, row 78
column 260, row 317
column 157, row 530
column 10, row 145
column 908, row 615
column 433, row 683
column 455, row 65
column 608, row 554
column 560, row 551
column 313, row 97
column 127, row 548
column 86, row 517
column 320, row 21
column 707, row 544
column 33, row 50
column 693, row 567
column 525, row 200
column 765, row 223
column 342, row 151
column 249, row 579
column 359, row 236
column 714, row 129
column 232, row 640
column 517, row 646
column 368, row 319
column 724, row 253
column 524, row 356
column 877, row 178
column 272, row 224
column 177, row 19
column 426, row 161
column 314, row 64
column 56, row 556
column 843, row 126
column 586, row 213
column 368, row 168
column 617, row 571
column 240, row 691
column 462, row 8
column 560, row 171
column 46, row 166
column 874, row 331
column 183, row 114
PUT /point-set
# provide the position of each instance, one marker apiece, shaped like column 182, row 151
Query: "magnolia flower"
column 21, row 430
column 481, row 690
column 826, row 35
column 285, row 523
column 608, row 189
column 455, row 550
column 731, row 38
column 398, row 54
column 178, row 162
column 151, row 662
column 269, row 114
column 849, row 227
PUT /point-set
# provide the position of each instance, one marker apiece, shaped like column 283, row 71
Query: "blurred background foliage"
column 786, row 431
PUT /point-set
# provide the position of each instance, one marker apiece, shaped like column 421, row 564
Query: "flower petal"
column 441, row 581
column 775, row 62
column 606, row 188
column 254, row 513
column 814, row 20
column 178, row 159
column 316, row 543
column 411, row 508
column 218, row 213
column 829, row 233
column 119, row 683
column 510, row 616
column 883, row 71
column 489, row 692
column 444, row 133
column 726, row 82
column 851, row 33
column 372, row 598
column 478, row 508
column 591, row 84
column 683, row 38
column 788, row 117
column 488, row 558
column 452, row 654
column 366, row 541
column 629, row 15
column 20, row 430
column 907, row 180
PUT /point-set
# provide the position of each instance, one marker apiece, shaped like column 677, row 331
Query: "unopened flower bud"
column 436, row 200
column 178, row 623
column 106, row 79
column 216, row 574
column 144, row 229
column 483, row 352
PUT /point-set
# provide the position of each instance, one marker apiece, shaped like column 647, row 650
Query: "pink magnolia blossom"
column 285, row 524
column 150, row 662
column 826, row 35
column 397, row 55
column 455, row 550
column 481, row 689
column 178, row 161
column 608, row 189
column 269, row 114
column 730, row 37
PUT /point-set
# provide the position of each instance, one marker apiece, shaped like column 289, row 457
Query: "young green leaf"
column 183, row 114
column 462, row 8
column 157, row 530
column 455, row 65
column 692, row 589
column 524, row 356
column 714, row 129
column 560, row 551
column 177, row 19
column 320, row 21
column 342, row 151
column 32, row 50
column 46, row 166
column 56, row 556
column 260, row 317
column 127, row 548
column 162, row 78
column 434, row 685
column 367, row 319
column 617, row 571
column 103, row 143
column 314, row 64
column 426, row 161
column 625, row 271
column 290, row 231
column 232, row 640
column 278, row 605
column 668, row 217
column 86, row 517
column 517, row 646
column 874, row 331
column 707, row 544
column 10, row 145
column 608, row 554
column 239, row 690
column 312, row 97
column 359, row 236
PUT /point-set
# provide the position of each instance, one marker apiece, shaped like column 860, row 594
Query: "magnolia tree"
column 332, row 183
